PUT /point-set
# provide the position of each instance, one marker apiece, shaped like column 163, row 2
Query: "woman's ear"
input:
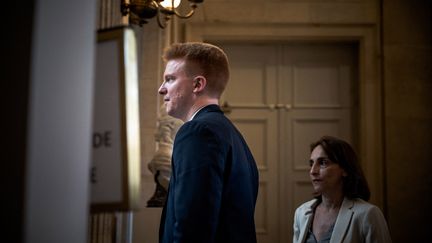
column 199, row 82
column 344, row 174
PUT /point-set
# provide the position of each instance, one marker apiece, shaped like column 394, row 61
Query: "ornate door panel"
column 282, row 98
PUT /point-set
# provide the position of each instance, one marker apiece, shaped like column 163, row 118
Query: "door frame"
column 370, row 128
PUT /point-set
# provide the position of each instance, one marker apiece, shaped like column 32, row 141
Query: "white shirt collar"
column 192, row 117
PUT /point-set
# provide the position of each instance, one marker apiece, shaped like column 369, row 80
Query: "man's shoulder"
column 210, row 119
column 198, row 127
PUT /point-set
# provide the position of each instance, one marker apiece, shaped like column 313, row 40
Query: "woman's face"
column 326, row 175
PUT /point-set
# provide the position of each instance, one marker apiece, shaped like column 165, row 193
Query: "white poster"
column 115, row 172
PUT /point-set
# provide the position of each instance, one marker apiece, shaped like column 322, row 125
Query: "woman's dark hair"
column 341, row 152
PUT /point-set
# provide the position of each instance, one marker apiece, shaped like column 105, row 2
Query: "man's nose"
column 162, row 90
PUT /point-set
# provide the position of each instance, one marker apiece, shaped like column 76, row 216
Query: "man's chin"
column 171, row 113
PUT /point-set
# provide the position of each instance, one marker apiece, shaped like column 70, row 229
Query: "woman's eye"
column 324, row 162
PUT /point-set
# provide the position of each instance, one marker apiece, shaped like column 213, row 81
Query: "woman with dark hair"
column 340, row 211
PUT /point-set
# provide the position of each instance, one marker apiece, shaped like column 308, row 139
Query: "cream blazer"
column 357, row 221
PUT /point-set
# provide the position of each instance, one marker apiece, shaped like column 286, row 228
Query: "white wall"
column 60, row 113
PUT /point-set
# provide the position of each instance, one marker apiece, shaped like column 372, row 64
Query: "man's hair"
column 203, row 59
column 341, row 153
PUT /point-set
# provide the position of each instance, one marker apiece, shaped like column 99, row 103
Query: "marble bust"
column 160, row 165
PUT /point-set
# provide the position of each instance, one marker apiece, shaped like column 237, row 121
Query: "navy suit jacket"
column 213, row 186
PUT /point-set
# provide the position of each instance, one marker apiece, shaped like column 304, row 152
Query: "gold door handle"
column 226, row 108
column 280, row 106
column 286, row 107
column 272, row 107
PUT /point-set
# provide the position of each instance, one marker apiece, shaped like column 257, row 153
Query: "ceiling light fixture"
column 141, row 10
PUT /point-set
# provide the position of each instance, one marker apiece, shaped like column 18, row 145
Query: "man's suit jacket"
column 357, row 221
column 213, row 186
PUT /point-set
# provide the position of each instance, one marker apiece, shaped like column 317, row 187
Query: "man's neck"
column 199, row 105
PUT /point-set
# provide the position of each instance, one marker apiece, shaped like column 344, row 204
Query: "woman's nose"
column 314, row 169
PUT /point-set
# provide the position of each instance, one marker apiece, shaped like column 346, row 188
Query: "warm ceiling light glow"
column 140, row 11
column 170, row 3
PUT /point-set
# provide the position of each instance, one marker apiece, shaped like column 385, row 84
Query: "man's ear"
column 199, row 82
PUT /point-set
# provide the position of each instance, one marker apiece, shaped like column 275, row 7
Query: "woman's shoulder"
column 361, row 205
column 358, row 202
column 308, row 206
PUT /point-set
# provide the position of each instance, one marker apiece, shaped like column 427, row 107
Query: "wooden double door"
column 282, row 97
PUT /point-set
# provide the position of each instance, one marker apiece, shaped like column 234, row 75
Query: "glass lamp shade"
column 169, row 4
